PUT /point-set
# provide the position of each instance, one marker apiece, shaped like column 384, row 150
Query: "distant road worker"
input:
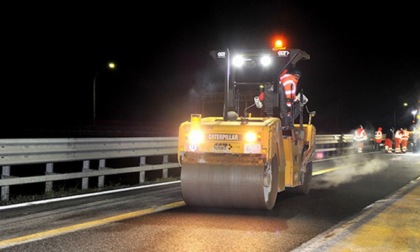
column 397, row 140
column 404, row 140
column 360, row 136
column 378, row 139
column 388, row 145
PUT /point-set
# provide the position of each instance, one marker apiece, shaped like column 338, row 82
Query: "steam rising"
column 354, row 169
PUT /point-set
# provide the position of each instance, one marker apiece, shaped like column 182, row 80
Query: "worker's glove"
column 305, row 99
column 257, row 102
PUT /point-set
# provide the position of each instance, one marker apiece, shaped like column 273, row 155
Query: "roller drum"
column 229, row 186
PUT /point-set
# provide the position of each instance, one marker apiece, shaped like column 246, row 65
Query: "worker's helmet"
column 296, row 71
column 379, row 129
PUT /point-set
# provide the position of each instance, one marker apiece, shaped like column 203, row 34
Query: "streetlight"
column 110, row 65
column 414, row 113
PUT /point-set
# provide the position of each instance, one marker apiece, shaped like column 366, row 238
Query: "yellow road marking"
column 85, row 225
column 330, row 169
column 324, row 171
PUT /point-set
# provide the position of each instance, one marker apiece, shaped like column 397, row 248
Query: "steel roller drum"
column 228, row 186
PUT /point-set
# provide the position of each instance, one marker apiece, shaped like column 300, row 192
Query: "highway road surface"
column 345, row 194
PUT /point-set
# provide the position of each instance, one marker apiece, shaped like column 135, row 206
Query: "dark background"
column 364, row 61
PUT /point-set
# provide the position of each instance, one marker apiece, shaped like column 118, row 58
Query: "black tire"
column 275, row 182
column 305, row 179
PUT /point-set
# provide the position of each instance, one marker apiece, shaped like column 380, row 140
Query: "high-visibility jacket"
column 405, row 135
column 404, row 140
column 397, row 139
column 289, row 82
column 398, row 135
column 378, row 136
column 360, row 135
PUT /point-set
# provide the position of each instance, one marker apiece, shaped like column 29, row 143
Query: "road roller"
column 259, row 146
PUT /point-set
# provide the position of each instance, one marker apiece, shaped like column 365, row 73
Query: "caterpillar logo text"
column 226, row 137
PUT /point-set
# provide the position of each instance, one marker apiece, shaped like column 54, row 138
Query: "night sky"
column 365, row 60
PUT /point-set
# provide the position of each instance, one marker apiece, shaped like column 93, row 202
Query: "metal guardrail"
column 333, row 145
column 94, row 153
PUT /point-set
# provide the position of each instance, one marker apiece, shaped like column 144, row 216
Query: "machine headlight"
column 196, row 136
column 238, row 61
column 251, row 137
column 265, row 60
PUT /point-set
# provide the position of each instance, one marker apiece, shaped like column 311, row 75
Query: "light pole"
column 395, row 114
column 110, row 65
column 414, row 113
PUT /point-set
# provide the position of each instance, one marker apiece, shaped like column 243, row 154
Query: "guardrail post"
column 101, row 179
column 165, row 171
column 49, row 169
column 5, row 172
column 142, row 175
column 85, row 181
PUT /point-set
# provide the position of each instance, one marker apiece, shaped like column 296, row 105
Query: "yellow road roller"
column 237, row 160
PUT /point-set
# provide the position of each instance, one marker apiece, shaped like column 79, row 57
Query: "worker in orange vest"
column 378, row 139
column 398, row 139
column 404, row 140
column 388, row 145
column 289, row 82
column 360, row 136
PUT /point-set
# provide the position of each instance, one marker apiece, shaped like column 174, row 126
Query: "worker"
column 388, row 145
column 360, row 136
column 378, row 139
column 289, row 82
column 398, row 140
column 404, row 140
